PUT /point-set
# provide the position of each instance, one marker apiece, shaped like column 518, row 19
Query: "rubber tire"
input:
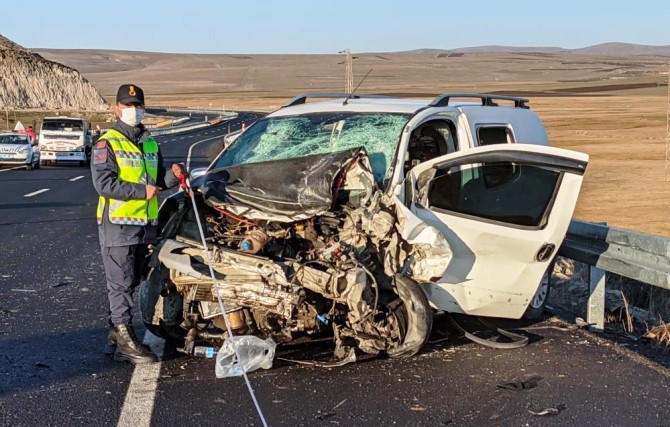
column 29, row 166
column 534, row 312
column 419, row 317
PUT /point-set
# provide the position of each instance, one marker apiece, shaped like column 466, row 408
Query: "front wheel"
column 413, row 316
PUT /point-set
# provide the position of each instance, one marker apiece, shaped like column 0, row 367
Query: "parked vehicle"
column 18, row 149
column 361, row 216
column 65, row 139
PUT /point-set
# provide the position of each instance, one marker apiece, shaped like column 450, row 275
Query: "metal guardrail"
column 178, row 127
column 638, row 256
column 198, row 110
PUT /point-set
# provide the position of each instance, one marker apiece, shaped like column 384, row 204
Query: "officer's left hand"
column 179, row 170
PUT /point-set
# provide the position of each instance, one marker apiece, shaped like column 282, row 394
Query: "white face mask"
column 132, row 116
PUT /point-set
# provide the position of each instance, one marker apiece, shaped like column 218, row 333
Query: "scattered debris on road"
column 548, row 411
column 58, row 285
column 521, row 384
column 339, row 404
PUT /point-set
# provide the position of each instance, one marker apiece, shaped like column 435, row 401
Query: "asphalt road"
column 53, row 328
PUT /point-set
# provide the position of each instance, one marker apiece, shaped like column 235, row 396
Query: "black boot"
column 110, row 346
column 129, row 348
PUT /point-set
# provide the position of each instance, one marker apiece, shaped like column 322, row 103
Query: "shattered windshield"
column 63, row 125
column 277, row 138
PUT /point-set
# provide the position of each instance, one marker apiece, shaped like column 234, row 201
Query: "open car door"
column 504, row 211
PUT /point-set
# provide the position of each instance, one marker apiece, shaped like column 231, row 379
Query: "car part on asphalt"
column 517, row 340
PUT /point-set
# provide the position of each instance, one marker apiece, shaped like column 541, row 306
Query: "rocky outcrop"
column 27, row 80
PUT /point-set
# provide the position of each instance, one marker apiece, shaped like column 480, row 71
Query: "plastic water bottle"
column 201, row 350
column 254, row 353
column 254, row 242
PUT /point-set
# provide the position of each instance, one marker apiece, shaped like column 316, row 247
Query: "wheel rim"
column 395, row 317
column 541, row 293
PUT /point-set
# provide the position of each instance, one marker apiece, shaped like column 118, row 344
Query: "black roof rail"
column 487, row 99
column 301, row 99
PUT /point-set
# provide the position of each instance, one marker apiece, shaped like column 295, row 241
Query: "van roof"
column 386, row 104
column 62, row 118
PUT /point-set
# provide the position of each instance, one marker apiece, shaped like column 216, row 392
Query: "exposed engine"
column 329, row 273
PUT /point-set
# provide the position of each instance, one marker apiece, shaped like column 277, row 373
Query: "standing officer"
column 128, row 172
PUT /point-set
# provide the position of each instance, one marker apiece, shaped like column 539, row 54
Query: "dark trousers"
column 123, row 270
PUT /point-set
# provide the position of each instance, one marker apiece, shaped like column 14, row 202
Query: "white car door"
column 504, row 211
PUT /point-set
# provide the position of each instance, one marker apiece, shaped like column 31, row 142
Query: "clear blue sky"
column 303, row 26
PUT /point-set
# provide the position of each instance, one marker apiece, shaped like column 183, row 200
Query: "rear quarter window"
column 498, row 134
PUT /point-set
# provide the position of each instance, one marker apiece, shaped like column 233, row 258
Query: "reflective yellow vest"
column 137, row 167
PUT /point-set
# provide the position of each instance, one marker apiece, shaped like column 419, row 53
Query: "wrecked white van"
column 359, row 217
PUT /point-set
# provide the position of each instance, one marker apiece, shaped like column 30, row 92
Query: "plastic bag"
column 254, row 353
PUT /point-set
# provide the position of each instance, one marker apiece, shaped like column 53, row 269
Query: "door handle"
column 544, row 254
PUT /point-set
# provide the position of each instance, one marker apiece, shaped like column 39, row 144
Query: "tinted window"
column 62, row 125
column 489, row 135
column 512, row 193
column 14, row 139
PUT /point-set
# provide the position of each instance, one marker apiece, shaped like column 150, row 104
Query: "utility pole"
column 667, row 133
column 348, row 70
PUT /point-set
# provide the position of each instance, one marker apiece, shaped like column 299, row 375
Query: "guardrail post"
column 595, row 315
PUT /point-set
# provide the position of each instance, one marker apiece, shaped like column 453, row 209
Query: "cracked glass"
column 279, row 138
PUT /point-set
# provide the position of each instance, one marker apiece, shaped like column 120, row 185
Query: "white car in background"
column 17, row 149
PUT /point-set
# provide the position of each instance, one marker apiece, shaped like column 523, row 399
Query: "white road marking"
column 138, row 406
column 11, row 169
column 34, row 193
column 76, row 178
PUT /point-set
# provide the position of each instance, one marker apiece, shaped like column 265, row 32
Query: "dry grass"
column 660, row 334
column 624, row 135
